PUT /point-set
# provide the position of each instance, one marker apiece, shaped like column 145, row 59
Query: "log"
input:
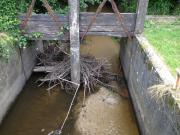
column 47, row 69
column 74, row 40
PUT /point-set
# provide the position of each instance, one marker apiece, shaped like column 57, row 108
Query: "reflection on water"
column 37, row 113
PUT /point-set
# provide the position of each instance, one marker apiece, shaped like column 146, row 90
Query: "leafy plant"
column 156, row 7
column 84, row 4
column 9, row 26
column 63, row 30
column 177, row 10
column 6, row 44
column 62, row 7
column 22, row 41
column 36, row 35
column 160, row 7
column 127, row 5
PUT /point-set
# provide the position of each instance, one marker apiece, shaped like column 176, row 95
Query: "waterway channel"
column 35, row 112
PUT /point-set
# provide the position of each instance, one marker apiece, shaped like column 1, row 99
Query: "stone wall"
column 13, row 76
column 143, row 69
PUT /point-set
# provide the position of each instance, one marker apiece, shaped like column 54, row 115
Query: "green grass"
column 165, row 38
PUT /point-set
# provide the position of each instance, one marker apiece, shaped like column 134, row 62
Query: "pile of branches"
column 94, row 71
column 53, row 53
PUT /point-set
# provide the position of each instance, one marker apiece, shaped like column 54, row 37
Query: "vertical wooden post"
column 141, row 15
column 74, row 40
column 39, row 45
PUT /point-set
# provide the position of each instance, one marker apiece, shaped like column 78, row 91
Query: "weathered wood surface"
column 74, row 40
column 106, row 24
column 141, row 15
column 43, row 69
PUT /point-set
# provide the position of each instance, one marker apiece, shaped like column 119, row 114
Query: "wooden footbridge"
column 109, row 24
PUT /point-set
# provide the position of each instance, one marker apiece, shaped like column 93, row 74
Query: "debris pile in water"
column 56, row 62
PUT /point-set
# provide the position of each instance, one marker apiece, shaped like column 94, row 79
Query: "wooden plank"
column 74, row 40
column 141, row 15
column 53, row 30
column 66, row 37
column 49, row 36
column 105, row 23
column 111, row 34
column 45, row 17
column 103, row 18
column 43, row 69
column 106, row 18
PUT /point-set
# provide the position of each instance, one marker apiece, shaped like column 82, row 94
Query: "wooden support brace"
column 141, row 15
column 74, row 40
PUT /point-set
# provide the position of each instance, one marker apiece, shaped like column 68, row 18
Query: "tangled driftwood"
column 56, row 62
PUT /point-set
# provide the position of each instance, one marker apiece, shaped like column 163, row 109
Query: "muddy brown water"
column 35, row 112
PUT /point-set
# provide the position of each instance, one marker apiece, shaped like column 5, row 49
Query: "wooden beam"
column 106, row 24
column 141, row 15
column 44, row 69
column 74, row 40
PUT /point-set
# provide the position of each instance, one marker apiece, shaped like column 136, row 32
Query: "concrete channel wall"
column 162, row 18
column 13, row 76
column 144, row 69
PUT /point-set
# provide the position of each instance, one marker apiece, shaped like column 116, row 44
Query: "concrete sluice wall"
column 13, row 75
column 144, row 69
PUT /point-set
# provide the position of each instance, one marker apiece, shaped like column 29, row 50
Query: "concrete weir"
column 13, row 75
column 143, row 69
